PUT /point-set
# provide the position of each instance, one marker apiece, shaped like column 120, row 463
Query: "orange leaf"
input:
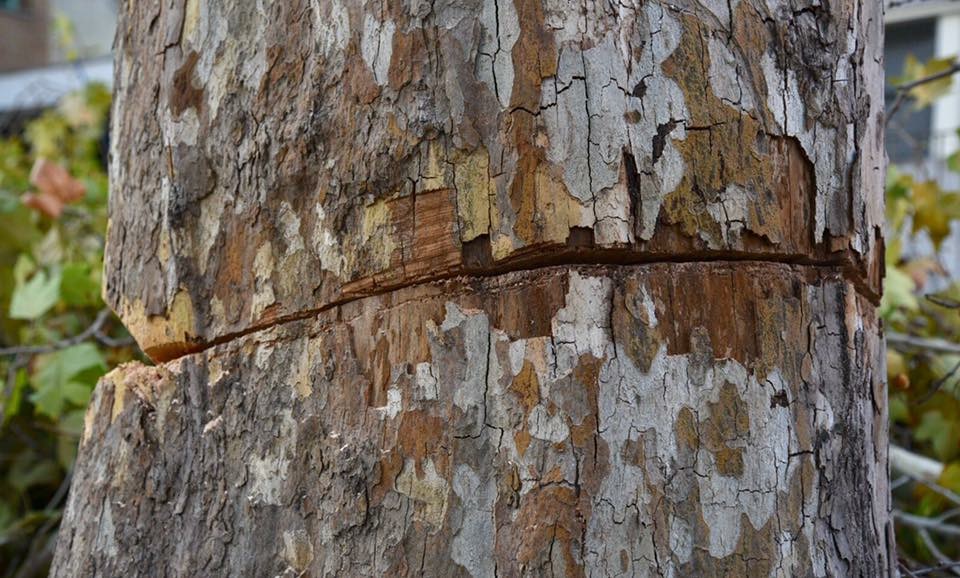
column 49, row 205
column 53, row 179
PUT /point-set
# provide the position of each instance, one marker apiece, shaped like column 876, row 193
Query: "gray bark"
column 492, row 288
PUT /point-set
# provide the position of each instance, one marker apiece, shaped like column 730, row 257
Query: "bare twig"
column 939, row 383
column 91, row 332
column 898, row 3
column 935, row 345
column 901, row 341
column 21, row 354
column 40, row 552
column 903, row 90
column 922, row 469
column 899, row 482
column 936, row 568
column 921, row 523
column 943, row 301
column 944, row 492
column 948, row 514
column 944, row 560
column 112, row 342
column 903, row 566
column 915, row 466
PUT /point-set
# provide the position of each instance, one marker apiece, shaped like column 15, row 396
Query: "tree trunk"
column 492, row 288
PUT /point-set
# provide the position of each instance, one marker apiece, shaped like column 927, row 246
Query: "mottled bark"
column 271, row 161
column 492, row 287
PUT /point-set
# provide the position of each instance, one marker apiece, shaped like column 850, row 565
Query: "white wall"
column 945, row 120
column 93, row 21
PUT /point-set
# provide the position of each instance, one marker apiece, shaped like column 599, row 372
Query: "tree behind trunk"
column 494, row 287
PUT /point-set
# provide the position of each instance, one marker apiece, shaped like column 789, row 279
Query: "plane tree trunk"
column 492, row 288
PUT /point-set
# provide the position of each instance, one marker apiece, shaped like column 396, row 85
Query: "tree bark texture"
column 492, row 288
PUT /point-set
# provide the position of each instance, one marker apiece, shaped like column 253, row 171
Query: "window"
column 908, row 134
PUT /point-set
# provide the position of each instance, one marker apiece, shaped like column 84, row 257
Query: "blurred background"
column 57, row 337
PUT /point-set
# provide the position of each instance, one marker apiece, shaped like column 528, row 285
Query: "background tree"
column 492, row 288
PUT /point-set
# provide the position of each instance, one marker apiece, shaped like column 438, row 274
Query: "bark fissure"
column 174, row 351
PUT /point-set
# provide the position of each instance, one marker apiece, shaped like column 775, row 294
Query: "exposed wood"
column 291, row 155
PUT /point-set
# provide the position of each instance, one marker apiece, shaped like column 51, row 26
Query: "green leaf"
column 80, row 285
column 950, row 478
column 23, row 268
column 953, row 162
column 942, row 433
column 899, row 410
column 17, row 229
column 929, row 91
column 934, row 209
column 6, row 518
column 71, row 426
column 12, row 406
column 59, row 378
column 32, row 298
column 27, row 471
column 72, row 423
column 898, row 292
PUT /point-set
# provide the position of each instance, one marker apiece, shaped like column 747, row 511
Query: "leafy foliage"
column 55, row 336
column 923, row 329
column 915, row 72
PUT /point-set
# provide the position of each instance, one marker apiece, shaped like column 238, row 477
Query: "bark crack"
column 572, row 256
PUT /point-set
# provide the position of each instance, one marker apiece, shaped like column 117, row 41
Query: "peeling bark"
column 492, row 288
column 276, row 160
column 447, row 429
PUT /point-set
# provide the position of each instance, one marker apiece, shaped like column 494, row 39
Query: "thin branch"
column 948, row 514
column 939, row 383
column 88, row 333
column 901, row 481
column 921, row 523
column 943, row 301
column 898, row 3
column 944, row 560
column 936, row 568
column 112, row 342
column 920, row 468
column 900, row 340
column 907, row 86
column 21, row 354
column 903, row 566
column 944, row 492
column 903, row 90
